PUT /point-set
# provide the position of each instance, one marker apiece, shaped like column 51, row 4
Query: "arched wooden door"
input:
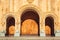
column 30, row 23
column 10, row 26
column 47, row 30
column 49, row 26
column 29, row 27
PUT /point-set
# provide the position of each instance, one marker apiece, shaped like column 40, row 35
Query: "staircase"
column 29, row 38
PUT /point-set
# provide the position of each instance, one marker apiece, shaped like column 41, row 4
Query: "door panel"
column 11, row 30
column 48, row 31
column 29, row 27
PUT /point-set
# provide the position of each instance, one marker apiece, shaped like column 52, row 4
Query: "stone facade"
column 15, row 8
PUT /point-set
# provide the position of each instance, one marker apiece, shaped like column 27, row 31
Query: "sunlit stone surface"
column 44, row 8
column 29, row 26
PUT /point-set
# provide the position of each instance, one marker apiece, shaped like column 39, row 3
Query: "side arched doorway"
column 10, row 26
column 49, row 26
column 29, row 23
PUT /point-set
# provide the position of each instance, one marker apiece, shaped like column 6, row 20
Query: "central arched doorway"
column 29, row 23
column 10, row 26
column 49, row 26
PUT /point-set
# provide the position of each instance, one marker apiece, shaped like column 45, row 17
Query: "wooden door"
column 29, row 27
column 11, row 30
column 47, row 31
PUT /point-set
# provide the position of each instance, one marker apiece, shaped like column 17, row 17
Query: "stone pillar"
column 43, row 9
column 48, row 5
column 2, row 29
column 43, row 5
column 17, row 5
column 2, row 33
column 42, row 27
column 17, row 27
column 11, row 5
column 57, row 32
column 57, row 29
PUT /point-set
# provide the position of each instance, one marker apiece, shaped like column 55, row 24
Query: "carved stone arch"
column 10, row 26
column 4, row 17
column 31, row 15
column 49, row 26
column 54, row 22
column 25, row 7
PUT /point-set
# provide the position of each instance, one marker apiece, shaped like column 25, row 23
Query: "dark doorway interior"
column 30, row 14
column 50, row 22
column 9, row 22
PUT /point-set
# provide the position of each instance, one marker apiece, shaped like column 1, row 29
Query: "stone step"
column 29, row 38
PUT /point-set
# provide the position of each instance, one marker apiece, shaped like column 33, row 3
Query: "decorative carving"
column 30, row 1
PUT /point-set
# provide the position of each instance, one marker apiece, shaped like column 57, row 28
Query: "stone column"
column 57, row 29
column 42, row 23
column 11, row 5
column 17, row 27
column 42, row 26
column 43, row 5
column 2, row 22
column 57, row 9
column 48, row 5
column 2, row 31
column 2, row 28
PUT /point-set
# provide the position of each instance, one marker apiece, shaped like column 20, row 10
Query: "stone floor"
column 29, row 38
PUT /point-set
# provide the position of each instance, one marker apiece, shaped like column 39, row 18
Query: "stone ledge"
column 29, row 38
